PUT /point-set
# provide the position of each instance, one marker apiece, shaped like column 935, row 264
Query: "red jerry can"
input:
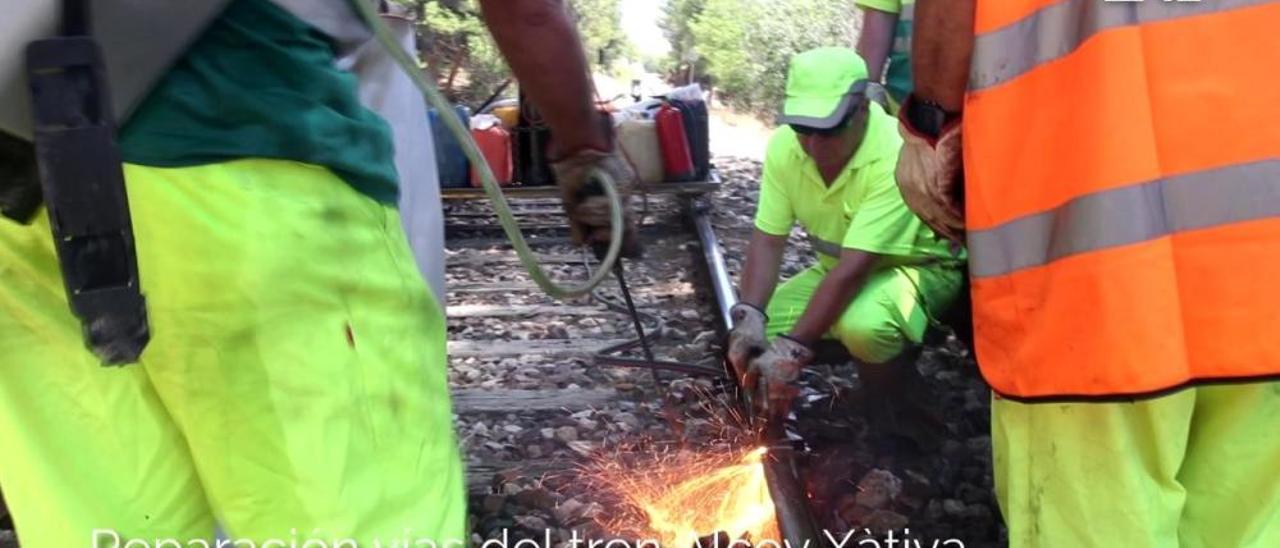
column 677, row 161
column 495, row 145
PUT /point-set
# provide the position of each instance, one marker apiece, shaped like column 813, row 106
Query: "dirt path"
column 737, row 135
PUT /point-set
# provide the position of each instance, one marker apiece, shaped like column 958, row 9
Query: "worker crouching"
column 881, row 276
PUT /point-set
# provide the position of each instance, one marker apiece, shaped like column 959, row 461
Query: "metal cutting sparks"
column 688, row 496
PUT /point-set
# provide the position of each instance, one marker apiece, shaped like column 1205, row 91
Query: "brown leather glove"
column 585, row 201
column 930, row 175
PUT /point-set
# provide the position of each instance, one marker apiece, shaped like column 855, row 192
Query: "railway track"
column 572, row 354
column 509, row 342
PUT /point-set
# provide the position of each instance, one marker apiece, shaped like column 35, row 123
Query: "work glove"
column 770, row 375
column 930, row 175
column 585, row 201
column 746, row 340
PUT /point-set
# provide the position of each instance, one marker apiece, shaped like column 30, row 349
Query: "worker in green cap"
column 294, row 391
column 881, row 273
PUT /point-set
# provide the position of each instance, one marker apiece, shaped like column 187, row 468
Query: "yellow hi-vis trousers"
column 887, row 314
column 294, row 387
column 1197, row 468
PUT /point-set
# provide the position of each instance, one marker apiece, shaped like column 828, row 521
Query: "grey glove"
column 746, row 340
column 585, row 201
column 776, row 369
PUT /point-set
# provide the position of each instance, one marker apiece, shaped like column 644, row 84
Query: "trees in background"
column 685, row 62
column 458, row 51
column 743, row 45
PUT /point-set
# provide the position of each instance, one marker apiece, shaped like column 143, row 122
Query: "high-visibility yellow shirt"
column 862, row 209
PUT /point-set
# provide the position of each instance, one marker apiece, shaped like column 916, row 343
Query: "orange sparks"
column 692, row 495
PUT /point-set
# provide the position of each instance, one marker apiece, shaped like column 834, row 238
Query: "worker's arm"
column 832, row 298
column 790, row 353
column 541, row 44
column 930, row 169
column 876, row 39
column 941, row 47
column 760, row 274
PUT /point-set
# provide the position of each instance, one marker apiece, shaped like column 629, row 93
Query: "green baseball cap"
column 822, row 85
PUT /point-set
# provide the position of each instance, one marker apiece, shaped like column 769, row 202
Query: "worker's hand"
column 770, row 376
column 585, row 201
column 930, row 175
column 746, row 340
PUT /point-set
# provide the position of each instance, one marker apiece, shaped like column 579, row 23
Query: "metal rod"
column 721, row 283
column 721, row 286
column 795, row 521
column 620, row 274
column 631, row 307
column 494, row 97
column 687, row 368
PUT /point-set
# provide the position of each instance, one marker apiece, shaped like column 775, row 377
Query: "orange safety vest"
column 1123, row 195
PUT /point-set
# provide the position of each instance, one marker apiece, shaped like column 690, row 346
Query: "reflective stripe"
column 902, row 44
column 824, row 247
column 1129, row 215
column 857, row 91
column 1054, row 31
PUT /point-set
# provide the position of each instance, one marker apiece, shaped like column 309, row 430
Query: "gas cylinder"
column 677, row 162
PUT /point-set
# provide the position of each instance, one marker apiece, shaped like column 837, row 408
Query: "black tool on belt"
column 82, row 180
column 19, row 183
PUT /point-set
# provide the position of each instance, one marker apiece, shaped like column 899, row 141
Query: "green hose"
column 490, row 183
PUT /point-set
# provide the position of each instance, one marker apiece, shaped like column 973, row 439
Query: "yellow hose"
column 490, row 184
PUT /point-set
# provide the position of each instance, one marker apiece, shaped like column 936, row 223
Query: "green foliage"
column 684, row 60
column 746, row 44
column 742, row 46
column 460, row 53
column 600, row 25
column 457, row 49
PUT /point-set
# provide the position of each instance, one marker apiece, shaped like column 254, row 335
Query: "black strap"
column 82, row 182
column 75, row 17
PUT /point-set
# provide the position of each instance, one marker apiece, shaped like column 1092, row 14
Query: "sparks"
column 687, row 496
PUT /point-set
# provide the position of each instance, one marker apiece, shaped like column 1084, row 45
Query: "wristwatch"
column 928, row 117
